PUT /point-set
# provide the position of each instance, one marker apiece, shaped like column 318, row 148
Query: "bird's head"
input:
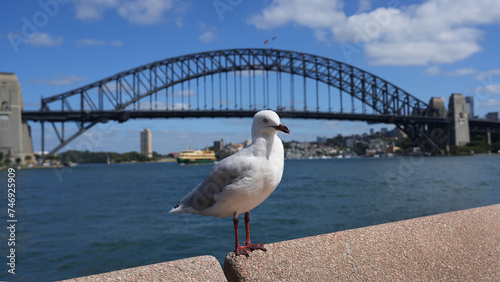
column 267, row 123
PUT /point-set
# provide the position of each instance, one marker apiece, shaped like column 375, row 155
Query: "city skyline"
column 429, row 48
column 220, row 143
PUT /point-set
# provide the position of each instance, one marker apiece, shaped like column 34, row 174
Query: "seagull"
column 239, row 183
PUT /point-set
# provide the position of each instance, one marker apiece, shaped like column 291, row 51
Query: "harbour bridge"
column 239, row 82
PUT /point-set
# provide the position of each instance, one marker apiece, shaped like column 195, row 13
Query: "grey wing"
column 203, row 196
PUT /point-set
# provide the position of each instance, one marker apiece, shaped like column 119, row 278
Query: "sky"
column 428, row 48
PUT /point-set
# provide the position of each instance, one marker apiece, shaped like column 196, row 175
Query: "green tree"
column 360, row 149
column 478, row 145
column 495, row 147
column 405, row 143
column 337, row 141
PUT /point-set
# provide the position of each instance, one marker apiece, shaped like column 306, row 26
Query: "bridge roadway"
column 122, row 116
column 483, row 126
column 475, row 125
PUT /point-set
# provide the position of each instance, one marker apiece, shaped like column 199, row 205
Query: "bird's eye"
column 265, row 120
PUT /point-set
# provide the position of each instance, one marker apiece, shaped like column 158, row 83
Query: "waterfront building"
column 384, row 132
column 399, row 133
column 469, row 101
column 349, row 142
column 247, row 143
column 321, row 139
column 493, row 116
column 147, row 143
column 219, row 145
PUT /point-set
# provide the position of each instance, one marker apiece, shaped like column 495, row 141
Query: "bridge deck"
column 121, row 116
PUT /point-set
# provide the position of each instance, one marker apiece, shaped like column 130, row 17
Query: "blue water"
column 97, row 218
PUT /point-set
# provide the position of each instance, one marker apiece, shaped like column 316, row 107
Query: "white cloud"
column 321, row 35
column 179, row 106
column 313, row 14
column 98, row 42
column 186, row 92
column 209, row 33
column 144, row 11
column 248, row 73
column 461, row 72
column 179, row 22
column 487, row 74
column 364, row 5
column 488, row 103
column 434, row 32
column 59, row 80
column 207, row 37
column 135, row 11
column 432, row 71
column 419, row 52
column 435, row 70
column 489, row 83
column 93, row 9
column 45, row 39
column 115, row 43
column 489, row 89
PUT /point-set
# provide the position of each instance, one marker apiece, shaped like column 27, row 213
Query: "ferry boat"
column 196, row 156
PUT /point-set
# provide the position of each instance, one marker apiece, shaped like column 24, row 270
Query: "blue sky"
column 428, row 48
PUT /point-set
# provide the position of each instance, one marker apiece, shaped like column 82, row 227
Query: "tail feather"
column 183, row 209
column 176, row 209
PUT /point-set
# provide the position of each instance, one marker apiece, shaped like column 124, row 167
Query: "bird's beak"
column 282, row 128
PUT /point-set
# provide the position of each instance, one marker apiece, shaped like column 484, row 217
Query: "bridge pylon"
column 15, row 135
column 457, row 111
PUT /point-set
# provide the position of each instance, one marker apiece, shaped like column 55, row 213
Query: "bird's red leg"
column 239, row 250
column 248, row 245
column 247, row 228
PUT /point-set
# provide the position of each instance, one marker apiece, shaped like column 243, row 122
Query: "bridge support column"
column 442, row 132
column 457, row 110
column 15, row 135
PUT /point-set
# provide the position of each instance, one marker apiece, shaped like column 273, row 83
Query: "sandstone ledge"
column 202, row 268
column 456, row 246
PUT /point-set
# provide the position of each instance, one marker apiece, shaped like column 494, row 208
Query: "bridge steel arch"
column 133, row 93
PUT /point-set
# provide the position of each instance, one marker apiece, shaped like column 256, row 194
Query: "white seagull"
column 239, row 183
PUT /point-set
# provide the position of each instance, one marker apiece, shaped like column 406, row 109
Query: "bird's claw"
column 241, row 250
column 245, row 250
column 254, row 247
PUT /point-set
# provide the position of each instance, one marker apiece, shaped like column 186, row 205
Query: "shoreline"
column 173, row 160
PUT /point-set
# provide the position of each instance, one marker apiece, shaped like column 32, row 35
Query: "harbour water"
column 91, row 219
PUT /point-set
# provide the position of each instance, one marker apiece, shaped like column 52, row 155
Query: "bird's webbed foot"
column 242, row 250
column 253, row 247
column 245, row 250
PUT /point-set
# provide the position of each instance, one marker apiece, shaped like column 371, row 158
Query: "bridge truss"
column 237, row 83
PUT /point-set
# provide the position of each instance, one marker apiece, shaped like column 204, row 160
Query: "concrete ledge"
column 203, row 268
column 455, row 246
